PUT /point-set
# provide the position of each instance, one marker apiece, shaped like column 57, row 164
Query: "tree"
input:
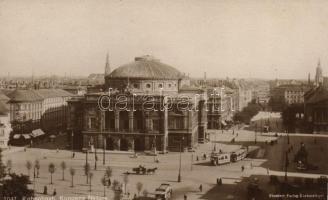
column 87, row 171
column 9, row 165
column 247, row 113
column 145, row 193
column 51, row 169
column 2, row 167
column 28, row 167
column 289, row 118
column 90, row 178
column 126, row 181
column 16, row 186
column 139, row 187
column 72, row 172
column 63, row 167
column 37, row 167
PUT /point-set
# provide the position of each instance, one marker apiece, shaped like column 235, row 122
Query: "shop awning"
column 37, row 133
column 26, row 136
column 16, row 136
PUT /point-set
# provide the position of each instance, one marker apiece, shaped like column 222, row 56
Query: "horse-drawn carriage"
column 143, row 170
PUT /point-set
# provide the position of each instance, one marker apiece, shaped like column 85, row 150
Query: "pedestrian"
column 185, row 197
column 73, row 154
column 217, row 181
column 251, row 165
column 197, row 159
column 45, row 190
column 201, row 188
column 25, row 149
column 268, row 171
column 109, row 182
column 57, row 150
column 54, row 193
column 242, row 168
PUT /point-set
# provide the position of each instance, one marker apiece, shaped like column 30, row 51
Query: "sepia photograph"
column 163, row 99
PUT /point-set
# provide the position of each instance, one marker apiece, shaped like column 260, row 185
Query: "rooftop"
column 146, row 67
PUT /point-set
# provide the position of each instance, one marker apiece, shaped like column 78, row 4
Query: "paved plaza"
column 194, row 173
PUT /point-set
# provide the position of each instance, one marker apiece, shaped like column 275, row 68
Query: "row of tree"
column 247, row 113
column 105, row 180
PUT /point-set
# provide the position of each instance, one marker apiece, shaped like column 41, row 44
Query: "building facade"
column 5, row 126
column 54, row 109
column 34, row 109
column 316, row 110
column 146, row 109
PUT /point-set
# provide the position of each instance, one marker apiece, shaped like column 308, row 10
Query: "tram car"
column 220, row 158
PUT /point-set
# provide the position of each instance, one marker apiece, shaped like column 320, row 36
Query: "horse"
column 151, row 170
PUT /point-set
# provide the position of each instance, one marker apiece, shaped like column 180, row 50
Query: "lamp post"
column 104, row 146
column 255, row 139
column 72, row 143
column 179, row 175
column 286, row 165
column 86, row 155
column 34, row 178
column 95, row 146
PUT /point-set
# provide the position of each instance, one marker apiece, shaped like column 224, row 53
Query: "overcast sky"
column 224, row 38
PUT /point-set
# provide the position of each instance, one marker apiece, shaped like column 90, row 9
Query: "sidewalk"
column 12, row 150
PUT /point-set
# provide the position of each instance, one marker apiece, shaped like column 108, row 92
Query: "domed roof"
column 146, row 67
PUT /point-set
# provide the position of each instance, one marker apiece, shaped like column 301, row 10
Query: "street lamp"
column 179, row 175
column 286, row 164
column 255, row 139
column 95, row 146
column 86, row 155
column 104, row 146
column 72, row 143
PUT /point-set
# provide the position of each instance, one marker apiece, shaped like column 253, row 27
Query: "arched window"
column 160, row 85
column 148, row 85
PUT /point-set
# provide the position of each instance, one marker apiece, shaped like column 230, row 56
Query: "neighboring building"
column 244, row 94
column 34, row 109
column 221, row 106
column 316, row 110
column 290, row 94
column 261, row 93
column 5, row 126
column 54, row 109
column 144, row 82
column 25, row 110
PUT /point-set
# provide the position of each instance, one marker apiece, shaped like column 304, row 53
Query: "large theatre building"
column 144, row 105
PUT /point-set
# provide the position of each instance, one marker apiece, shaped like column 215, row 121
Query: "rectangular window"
column 171, row 123
column 155, row 124
column 92, row 123
column 179, row 123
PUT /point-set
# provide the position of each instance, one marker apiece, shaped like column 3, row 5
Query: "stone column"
column 131, row 117
column 117, row 120
column 165, row 130
column 185, row 120
column 146, row 122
